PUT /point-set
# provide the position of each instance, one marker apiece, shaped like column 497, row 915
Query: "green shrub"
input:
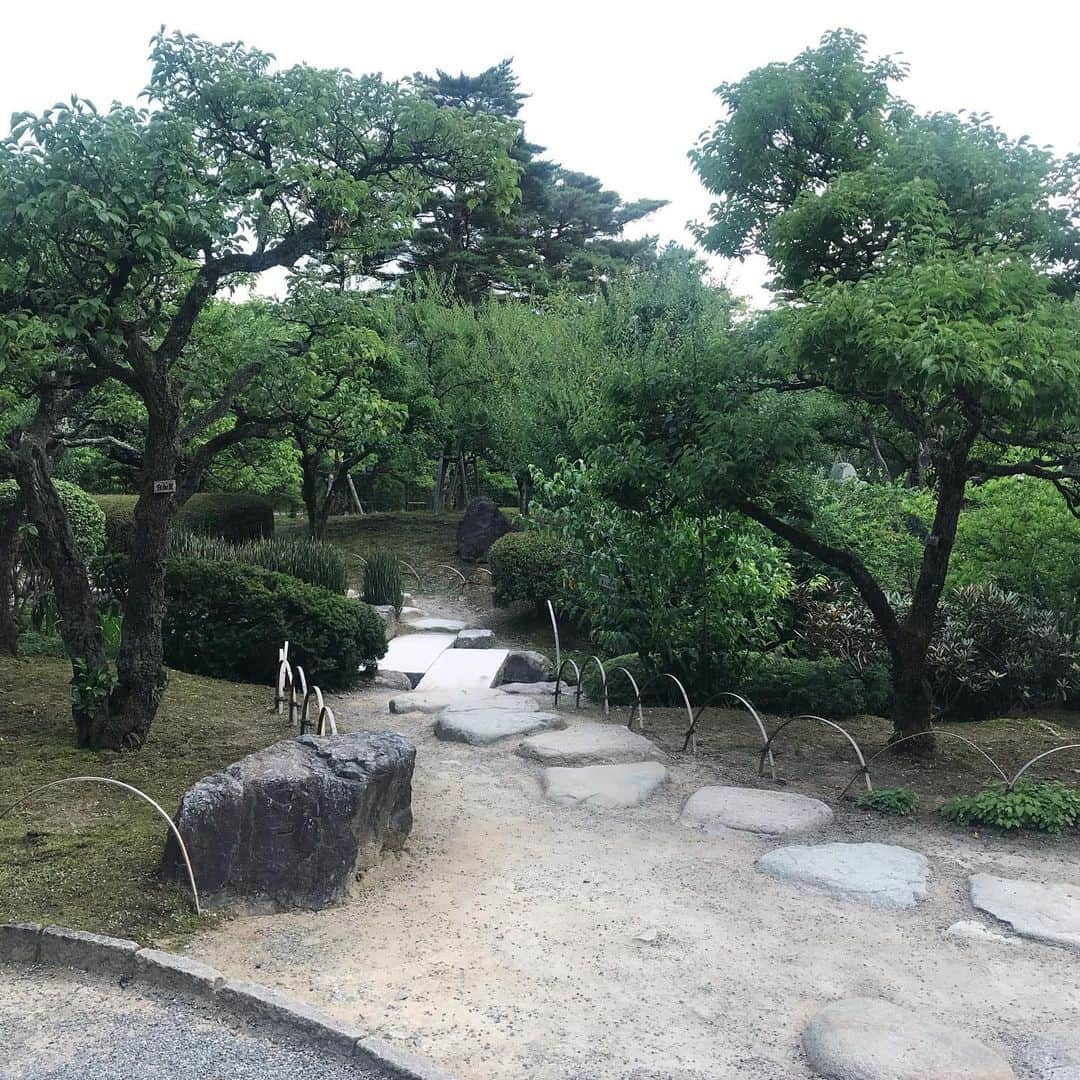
column 312, row 561
column 791, row 685
column 620, row 692
column 526, row 566
column 228, row 620
column 234, row 516
column 119, row 513
column 900, row 801
column 994, row 651
column 382, row 579
column 1044, row 805
column 86, row 517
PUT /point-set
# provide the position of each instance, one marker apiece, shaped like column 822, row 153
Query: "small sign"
column 164, row 487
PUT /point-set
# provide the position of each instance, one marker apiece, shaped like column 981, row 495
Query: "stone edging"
column 31, row 943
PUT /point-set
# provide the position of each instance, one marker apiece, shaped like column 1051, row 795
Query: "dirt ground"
column 516, row 938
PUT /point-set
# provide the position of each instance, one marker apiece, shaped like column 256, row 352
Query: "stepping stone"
column 491, row 700
column 1048, row 913
column 776, row 813
column 415, row 653
column 606, row 786
column 870, row 1039
column 589, row 744
column 436, row 701
column 391, row 680
column 475, row 639
column 973, row 930
column 481, row 727
column 1052, row 1055
column 881, row 874
column 431, row 624
column 538, row 688
column 463, row 669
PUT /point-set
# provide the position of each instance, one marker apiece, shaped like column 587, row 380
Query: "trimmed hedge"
column 119, row 513
column 228, row 620
column 827, row 687
column 526, row 566
column 234, row 516
column 86, row 517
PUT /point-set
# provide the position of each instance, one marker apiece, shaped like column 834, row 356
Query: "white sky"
column 616, row 92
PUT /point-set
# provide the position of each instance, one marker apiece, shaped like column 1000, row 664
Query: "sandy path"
column 515, row 938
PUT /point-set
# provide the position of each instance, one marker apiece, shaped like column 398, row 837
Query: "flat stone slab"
column 437, row 700
column 880, row 874
column 413, row 654
column 538, row 689
column 1048, row 913
column 432, row 624
column 1052, row 1055
column 589, row 744
column 871, row 1039
column 463, row 669
column 608, row 787
column 775, row 813
column 475, row 639
column 491, row 700
column 481, row 727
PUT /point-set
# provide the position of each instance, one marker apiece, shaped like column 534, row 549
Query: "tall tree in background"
column 565, row 228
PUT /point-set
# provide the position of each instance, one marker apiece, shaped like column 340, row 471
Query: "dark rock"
column 526, row 667
column 481, row 526
column 289, row 826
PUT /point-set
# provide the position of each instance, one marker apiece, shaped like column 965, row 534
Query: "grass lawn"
column 87, row 855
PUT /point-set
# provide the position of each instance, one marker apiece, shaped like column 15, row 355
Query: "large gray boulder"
column 290, row 826
column 526, row 666
column 481, row 526
column 870, row 1039
column 1045, row 912
column 884, row 875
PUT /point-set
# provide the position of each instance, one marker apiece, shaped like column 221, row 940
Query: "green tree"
column 118, row 227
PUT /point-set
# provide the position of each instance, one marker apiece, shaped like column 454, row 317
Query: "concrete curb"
column 30, row 943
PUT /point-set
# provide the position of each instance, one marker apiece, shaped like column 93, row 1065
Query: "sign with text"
column 164, row 487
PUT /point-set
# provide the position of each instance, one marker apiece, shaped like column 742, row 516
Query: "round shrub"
column 234, row 516
column 119, row 513
column 792, row 685
column 228, row 620
column 86, row 517
column 526, row 566
column 656, row 691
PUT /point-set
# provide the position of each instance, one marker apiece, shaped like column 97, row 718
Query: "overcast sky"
column 618, row 90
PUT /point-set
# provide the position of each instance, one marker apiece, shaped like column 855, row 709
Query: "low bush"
column 900, row 801
column 382, row 580
column 1045, row 805
column 86, row 517
column 824, row 686
column 234, row 516
column 620, row 692
column 228, row 620
column 526, row 566
column 312, row 561
column 119, row 513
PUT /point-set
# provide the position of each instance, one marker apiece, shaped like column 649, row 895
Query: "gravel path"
column 514, row 937
column 60, row 1025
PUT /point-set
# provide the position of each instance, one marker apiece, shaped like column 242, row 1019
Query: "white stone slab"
column 775, row 813
column 608, row 787
column 463, row 669
column 871, row 1039
column 481, row 727
column 431, row 624
column 438, row 700
column 1045, row 912
column 415, row 653
column 884, row 875
column 589, row 744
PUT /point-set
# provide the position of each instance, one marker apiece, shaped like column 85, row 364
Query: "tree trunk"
column 524, row 492
column 80, row 627
column 142, row 677
column 9, row 554
column 912, row 699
